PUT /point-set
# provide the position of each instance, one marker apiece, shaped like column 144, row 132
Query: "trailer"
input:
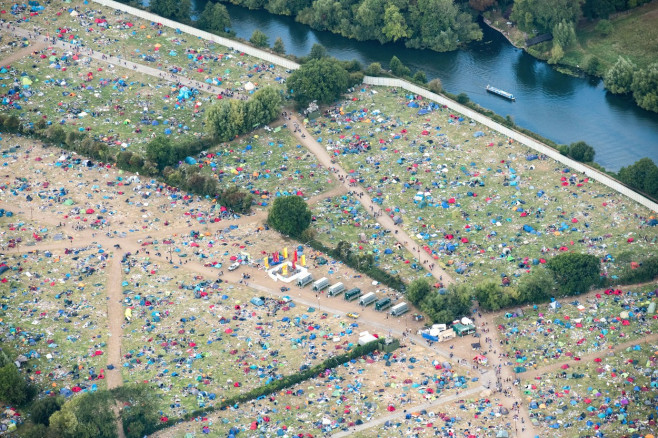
column 352, row 294
column 399, row 309
column 303, row 281
column 336, row 289
column 368, row 299
column 321, row 284
column 383, row 304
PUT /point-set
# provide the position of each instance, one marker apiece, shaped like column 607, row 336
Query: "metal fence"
column 517, row 136
column 249, row 50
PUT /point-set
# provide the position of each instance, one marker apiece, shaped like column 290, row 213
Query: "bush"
column 435, row 86
column 575, row 273
column 463, row 98
column 374, row 69
column 581, row 151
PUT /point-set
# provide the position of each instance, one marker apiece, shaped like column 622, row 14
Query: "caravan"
column 336, row 289
column 368, row 299
column 399, row 309
column 383, row 304
column 303, row 281
column 352, row 294
column 320, row 284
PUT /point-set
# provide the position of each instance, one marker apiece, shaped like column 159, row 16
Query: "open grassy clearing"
column 343, row 218
column 54, row 314
column 634, row 36
column 614, row 394
column 582, row 325
column 268, row 163
column 119, row 34
column 349, row 395
column 466, row 192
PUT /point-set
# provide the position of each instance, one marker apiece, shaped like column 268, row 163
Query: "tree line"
column 642, row 83
column 440, row 25
column 160, row 161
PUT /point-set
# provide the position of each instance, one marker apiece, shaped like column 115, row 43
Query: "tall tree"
column 619, row 78
column 395, row 26
column 575, row 273
column 278, row 46
column 214, row 18
column 178, row 10
column 545, row 14
column 322, row 80
column 418, row 290
column 289, row 215
column 645, row 87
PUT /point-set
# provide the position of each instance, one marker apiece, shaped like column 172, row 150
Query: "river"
column 560, row 107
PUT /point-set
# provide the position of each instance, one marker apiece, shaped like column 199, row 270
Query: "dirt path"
column 531, row 374
column 305, row 138
column 400, row 413
column 115, row 321
column 33, row 47
column 108, row 59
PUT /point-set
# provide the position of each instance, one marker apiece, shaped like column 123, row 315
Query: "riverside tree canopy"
column 322, row 80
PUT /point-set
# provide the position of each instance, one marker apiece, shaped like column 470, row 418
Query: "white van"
column 320, row 284
column 336, row 289
column 399, row 309
column 303, row 281
column 368, row 299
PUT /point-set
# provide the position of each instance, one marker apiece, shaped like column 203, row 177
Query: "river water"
column 562, row 108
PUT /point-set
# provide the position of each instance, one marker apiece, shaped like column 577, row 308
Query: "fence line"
column 393, row 82
column 249, row 50
column 517, row 136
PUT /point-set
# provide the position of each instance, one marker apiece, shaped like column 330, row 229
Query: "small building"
column 463, row 330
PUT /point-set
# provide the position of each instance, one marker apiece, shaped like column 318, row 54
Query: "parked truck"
column 399, row 309
column 368, row 299
column 352, row 294
column 303, row 281
column 336, row 289
column 320, row 284
column 383, row 304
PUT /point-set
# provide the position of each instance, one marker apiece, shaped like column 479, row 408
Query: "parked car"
column 234, row 266
column 353, row 315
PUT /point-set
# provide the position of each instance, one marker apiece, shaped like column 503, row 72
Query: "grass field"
column 635, row 36
column 466, row 192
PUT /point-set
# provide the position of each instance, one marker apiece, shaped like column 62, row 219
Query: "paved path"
column 116, row 61
column 382, row 217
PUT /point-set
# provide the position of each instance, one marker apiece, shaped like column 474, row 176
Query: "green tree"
column 178, row 10
column 592, row 65
column 604, row 27
column 581, row 151
column 397, row 68
column 318, row 51
column 619, row 78
column 420, row 77
column 374, row 69
column 418, row 290
column 557, row 53
column 435, row 86
column 278, row 46
column 564, row 34
column 395, row 26
column 463, row 98
column 642, row 175
column 440, row 25
column 574, row 273
column 214, row 18
column 481, row 5
column 42, row 409
column 545, row 14
column 536, row 287
column 64, row 423
column 236, row 199
column 289, row 215
column 492, row 295
column 161, row 151
column 259, row 39
column 13, row 387
column 322, row 80
column 645, row 88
